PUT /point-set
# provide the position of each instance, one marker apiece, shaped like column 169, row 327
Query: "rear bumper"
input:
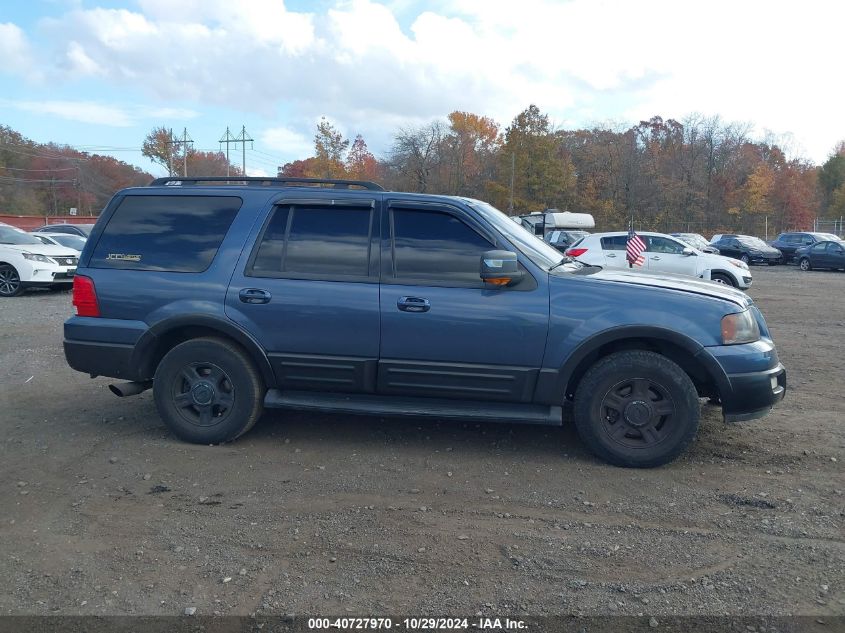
column 100, row 359
column 103, row 347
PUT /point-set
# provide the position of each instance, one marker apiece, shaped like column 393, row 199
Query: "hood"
column 50, row 250
column 669, row 281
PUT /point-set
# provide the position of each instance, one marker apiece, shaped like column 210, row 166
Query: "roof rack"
column 175, row 181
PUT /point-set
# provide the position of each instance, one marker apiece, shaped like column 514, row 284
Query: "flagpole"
column 631, row 230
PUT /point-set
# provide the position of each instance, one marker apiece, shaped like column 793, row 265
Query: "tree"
column 543, row 172
column 329, row 149
column 469, row 152
column 159, row 149
column 416, row 157
column 360, row 163
column 832, row 179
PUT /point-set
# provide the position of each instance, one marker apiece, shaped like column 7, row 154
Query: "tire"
column 208, row 391
column 636, row 409
column 745, row 259
column 10, row 281
column 722, row 278
column 804, row 264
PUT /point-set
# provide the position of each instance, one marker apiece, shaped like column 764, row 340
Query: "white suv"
column 25, row 262
column 663, row 254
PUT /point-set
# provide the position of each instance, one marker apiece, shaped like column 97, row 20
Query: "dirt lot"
column 103, row 512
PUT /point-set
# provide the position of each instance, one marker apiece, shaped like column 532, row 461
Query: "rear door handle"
column 413, row 304
column 655, row 257
column 254, row 295
column 611, row 255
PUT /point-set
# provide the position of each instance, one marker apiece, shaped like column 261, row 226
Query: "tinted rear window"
column 329, row 242
column 166, row 233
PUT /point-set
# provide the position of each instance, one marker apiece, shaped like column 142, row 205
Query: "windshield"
column 9, row 235
column 696, row 241
column 71, row 241
column 532, row 246
column 755, row 242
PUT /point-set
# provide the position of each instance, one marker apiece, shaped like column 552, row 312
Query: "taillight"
column 85, row 297
column 575, row 252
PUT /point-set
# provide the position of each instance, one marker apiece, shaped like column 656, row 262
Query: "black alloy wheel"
column 10, row 281
column 637, row 409
column 208, row 391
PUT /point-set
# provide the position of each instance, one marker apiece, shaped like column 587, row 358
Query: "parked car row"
column 663, row 254
column 29, row 262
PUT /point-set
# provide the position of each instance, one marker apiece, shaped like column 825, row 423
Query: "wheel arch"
column 706, row 374
column 165, row 335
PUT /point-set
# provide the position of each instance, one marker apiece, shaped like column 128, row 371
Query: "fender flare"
column 553, row 384
column 143, row 354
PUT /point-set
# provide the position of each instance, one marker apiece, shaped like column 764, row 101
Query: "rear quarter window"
column 165, row 233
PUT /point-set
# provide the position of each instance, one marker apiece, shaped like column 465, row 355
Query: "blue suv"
column 230, row 297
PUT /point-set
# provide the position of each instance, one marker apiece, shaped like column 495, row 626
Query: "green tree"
column 329, row 150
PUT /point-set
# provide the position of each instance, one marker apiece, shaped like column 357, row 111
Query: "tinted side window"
column 314, row 240
column 834, row 249
column 168, row 233
column 819, row 248
column 436, row 246
column 614, row 243
column 663, row 245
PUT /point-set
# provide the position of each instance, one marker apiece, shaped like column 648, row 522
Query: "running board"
column 388, row 406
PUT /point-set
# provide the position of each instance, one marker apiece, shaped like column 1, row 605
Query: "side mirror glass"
column 500, row 268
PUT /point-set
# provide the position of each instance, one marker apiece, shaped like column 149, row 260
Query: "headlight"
column 33, row 257
column 740, row 327
column 738, row 263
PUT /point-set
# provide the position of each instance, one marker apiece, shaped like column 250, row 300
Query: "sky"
column 100, row 74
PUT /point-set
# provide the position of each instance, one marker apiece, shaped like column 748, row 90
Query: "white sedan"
column 663, row 254
column 26, row 262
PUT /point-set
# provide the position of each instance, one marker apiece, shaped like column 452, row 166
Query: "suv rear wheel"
column 208, row 391
column 637, row 409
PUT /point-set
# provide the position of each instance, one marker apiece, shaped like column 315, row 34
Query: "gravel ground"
column 103, row 512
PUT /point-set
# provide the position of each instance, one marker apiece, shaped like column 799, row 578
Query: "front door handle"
column 413, row 304
column 611, row 255
column 254, row 295
column 655, row 257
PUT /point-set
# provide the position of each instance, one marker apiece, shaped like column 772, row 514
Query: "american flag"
column 634, row 248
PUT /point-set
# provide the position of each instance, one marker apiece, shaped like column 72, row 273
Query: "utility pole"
column 513, row 169
column 244, row 138
column 185, row 141
column 170, row 142
column 228, row 138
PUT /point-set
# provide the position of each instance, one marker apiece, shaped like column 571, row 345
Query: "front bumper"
column 41, row 274
column 765, row 259
column 754, row 394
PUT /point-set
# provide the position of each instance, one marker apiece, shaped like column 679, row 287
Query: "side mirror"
column 688, row 251
column 500, row 268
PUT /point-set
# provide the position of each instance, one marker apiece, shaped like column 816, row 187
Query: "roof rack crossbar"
column 260, row 180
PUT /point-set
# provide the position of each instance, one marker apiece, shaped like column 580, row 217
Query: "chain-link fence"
column 834, row 226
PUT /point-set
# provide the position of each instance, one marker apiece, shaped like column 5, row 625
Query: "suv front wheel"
column 208, row 391
column 636, row 409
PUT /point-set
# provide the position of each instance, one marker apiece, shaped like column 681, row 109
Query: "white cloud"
column 287, row 142
column 15, row 50
column 774, row 63
column 97, row 113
